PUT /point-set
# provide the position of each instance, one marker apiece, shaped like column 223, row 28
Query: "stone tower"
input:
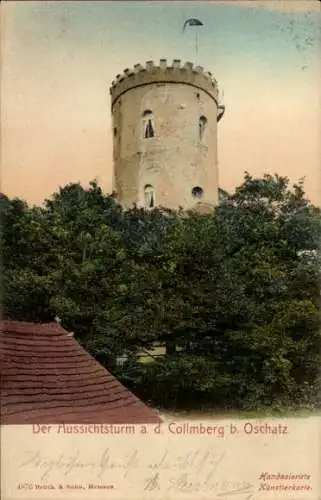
column 164, row 121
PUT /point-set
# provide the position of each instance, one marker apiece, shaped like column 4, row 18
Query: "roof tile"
column 47, row 377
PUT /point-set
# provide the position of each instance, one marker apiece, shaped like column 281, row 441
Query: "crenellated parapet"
column 150, row 73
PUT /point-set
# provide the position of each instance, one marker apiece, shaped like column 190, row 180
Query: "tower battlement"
column 178, row 72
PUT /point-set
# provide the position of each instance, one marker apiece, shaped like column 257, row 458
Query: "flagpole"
column 193, row 23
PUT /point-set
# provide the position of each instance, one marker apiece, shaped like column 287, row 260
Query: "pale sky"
column 59, row 58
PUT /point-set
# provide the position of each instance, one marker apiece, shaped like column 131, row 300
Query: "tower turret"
column 165, row 135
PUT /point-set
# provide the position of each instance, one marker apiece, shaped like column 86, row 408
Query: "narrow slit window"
column 148, row 124
column 149, row 130
column 202, row 126
column 149, row 193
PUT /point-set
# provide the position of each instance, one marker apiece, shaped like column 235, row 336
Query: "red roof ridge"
column 32, row 328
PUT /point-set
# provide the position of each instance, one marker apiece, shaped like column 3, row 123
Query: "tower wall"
column 177, row 158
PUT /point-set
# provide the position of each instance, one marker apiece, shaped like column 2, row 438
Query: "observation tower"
column 164, row 123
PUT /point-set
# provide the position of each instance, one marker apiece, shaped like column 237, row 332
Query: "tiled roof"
column 47, row 377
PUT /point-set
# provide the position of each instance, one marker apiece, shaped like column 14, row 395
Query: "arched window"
column 197, row 192
column 201, row 126
column 148, row 124
column 149, row 194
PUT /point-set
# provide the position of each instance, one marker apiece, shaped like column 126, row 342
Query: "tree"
column 233, row 296
column 238, row 293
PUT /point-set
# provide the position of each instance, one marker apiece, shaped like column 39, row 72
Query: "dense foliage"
column 234, row 297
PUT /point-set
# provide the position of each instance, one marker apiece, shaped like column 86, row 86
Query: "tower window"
column 197, row 192
column 149, row 194
column 115, row 131
column 198, row 95
column 202, row 126
column 148, row 124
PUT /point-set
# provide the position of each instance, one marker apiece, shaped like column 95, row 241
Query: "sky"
column 58, row 60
